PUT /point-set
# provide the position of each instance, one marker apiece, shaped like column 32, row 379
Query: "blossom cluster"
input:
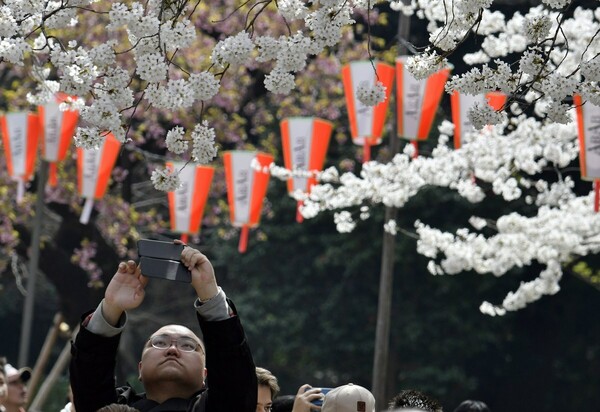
column 564, row 226
column 558, row 53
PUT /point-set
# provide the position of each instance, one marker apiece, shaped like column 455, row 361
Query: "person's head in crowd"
column 16, row 397
column 283, row 403
column 173, row 363
column 268, row 388
column 412, row 399
column 472, row 406
column 407, row 410
column 115, row 407
column 349, row 398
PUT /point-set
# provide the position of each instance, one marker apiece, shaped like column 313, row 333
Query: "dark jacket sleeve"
column 92, row 370
column 231, row 376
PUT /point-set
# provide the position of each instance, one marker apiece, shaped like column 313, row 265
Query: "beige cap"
column 13, row 374
column 349, row 398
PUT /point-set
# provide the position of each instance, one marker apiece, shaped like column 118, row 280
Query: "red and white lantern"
column 305, row 141
column 186, row 204
column 461, row 103
column 58, row 128
column 417, row 101
column 247, row 176
column 588, row 122
column 366, row 122
column 94, row 167
column 20, row 135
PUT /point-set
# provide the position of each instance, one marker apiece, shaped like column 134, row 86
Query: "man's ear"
column 204, row 378
column 140, row 371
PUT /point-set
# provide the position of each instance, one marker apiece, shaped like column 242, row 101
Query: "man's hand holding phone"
column 176, row 261
column 124, row 292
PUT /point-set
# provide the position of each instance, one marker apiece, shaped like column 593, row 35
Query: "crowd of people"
column 181, row 372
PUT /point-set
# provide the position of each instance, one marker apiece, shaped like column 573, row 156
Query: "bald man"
column 174, row 362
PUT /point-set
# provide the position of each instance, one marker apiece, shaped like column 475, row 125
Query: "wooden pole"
column 384, row 306
column 45, row 353
column 63, row 360
column 33, row 268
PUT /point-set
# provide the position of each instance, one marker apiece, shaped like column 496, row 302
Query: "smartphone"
column 319, row 402
column 165, row 269
column 160, row 259
column 159, row 249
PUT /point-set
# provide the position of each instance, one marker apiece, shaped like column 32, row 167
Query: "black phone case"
column 165, row 269
column 159, row 249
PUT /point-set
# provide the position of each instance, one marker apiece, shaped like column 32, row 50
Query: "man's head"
column 472, row 406
column 173, row 354
column 17, row 391
column 268, row 388
column 409, row 399
column 349, row 398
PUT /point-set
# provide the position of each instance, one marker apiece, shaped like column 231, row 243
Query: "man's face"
column 174, row 362
column 264, row 401
column 17, row 392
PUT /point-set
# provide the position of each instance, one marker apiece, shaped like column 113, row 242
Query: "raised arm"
column 231, row 376
column 95, row 347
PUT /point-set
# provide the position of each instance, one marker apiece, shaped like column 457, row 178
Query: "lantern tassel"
column 52, row 179
column 596, row 195
column 87, row 211
column 243, row 245
column 184, row 238
column 415, row 144
column 299, row 217
column 20, row 190
column 366, row 151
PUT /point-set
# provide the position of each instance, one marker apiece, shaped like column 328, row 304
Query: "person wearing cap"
column 16, row 397
column 174, row 361
column 349, row 398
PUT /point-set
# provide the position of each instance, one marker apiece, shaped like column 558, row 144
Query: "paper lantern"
column 305, row 141
column 588, row 124
column 417, row 101
column 186, row 204
column 461, row 103
column 94, row 167
column 366, row 122
column 57, row 130
column 20, row 135
column 247, row 177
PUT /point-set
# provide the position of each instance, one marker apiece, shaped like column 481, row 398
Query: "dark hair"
column 472, row 406
column 116, row 407
column 2, row 364
column 414, row 399
column 283, row 403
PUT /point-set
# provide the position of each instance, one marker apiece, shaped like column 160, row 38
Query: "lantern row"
column 305, row 141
